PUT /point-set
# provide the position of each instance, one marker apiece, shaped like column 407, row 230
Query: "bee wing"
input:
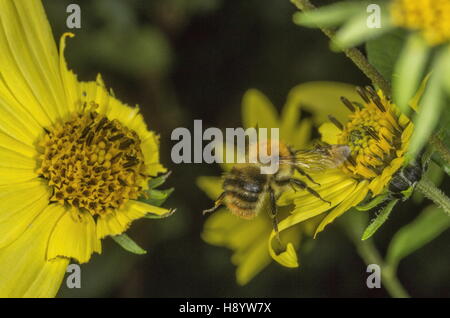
column 319, row 158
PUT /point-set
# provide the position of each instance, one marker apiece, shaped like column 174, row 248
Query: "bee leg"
column 304, row 186
column 303, row 173
column 273, row 212
column 217, row 204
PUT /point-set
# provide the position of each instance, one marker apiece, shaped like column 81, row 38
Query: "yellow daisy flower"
column 412, row 55
column 73, row 159
column 248, row 239
column 378, row 136
column 430, row 17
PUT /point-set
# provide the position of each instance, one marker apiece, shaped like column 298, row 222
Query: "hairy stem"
column 352, row 53
column 441, row 148
column 370, row 255
column 354, row 223
column 427, row 188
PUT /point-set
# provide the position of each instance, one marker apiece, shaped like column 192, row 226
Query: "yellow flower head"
column 378, row 136
column 430, row 17
column 73, row 159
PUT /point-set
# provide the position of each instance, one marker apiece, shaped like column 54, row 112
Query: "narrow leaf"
column 379, row 220
column 128, row 244
column 327, row 16
column 426, row 227
column 409, row 71
column 372, row 203
column 430, row 108
column 356, row 31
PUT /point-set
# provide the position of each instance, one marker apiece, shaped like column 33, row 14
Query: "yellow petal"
column 69, row 79
column 358, row 195
column 212, row 186
column 288, row 258
column 117, row 222
column 257, row 110
column 30, row 60
column 74, row 236
column 329, row 133
column 10, row 158
column 245, row 238
column 10, row 143
column 24, row 270
column 257, row 258
column 150, row 150
column 414, row 102
column 323, row 99
column 11, row 175
column 19, row 206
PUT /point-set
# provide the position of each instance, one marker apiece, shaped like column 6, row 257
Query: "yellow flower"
column 430, row 17
column 73, row 159
column 378, row 136
column 248, row 239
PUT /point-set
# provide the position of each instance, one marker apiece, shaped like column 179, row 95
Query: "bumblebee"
column 246, row 190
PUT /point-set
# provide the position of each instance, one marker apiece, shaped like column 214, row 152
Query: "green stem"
column 441, row 148
column 352, row 53
column 354, row 223
column 370, row 255
column 427, row 188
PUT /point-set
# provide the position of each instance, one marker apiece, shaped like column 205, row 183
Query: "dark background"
column 182, row 60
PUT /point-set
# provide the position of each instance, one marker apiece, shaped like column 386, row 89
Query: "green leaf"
column 156, row 182
column 128, row 244
column 328, row 16
column 430, row 108
column 409, row 71
column 383, row 59
column 379, row 220
column 426, row 227
column 446, row 52
column 157, row 197
column 372, row 203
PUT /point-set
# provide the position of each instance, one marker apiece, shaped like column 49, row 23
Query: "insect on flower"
column 246, row 189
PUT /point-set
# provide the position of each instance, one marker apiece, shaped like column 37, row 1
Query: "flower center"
column 431, row 17
column 92, row 163
column 373, row 135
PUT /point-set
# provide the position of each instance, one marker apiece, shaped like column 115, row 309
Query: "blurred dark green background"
column 182, row 60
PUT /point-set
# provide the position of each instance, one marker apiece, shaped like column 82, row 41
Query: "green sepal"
column 156, row 182
column 160, row 216
column 128, row 244
column 379, row 220
column 157, row 197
